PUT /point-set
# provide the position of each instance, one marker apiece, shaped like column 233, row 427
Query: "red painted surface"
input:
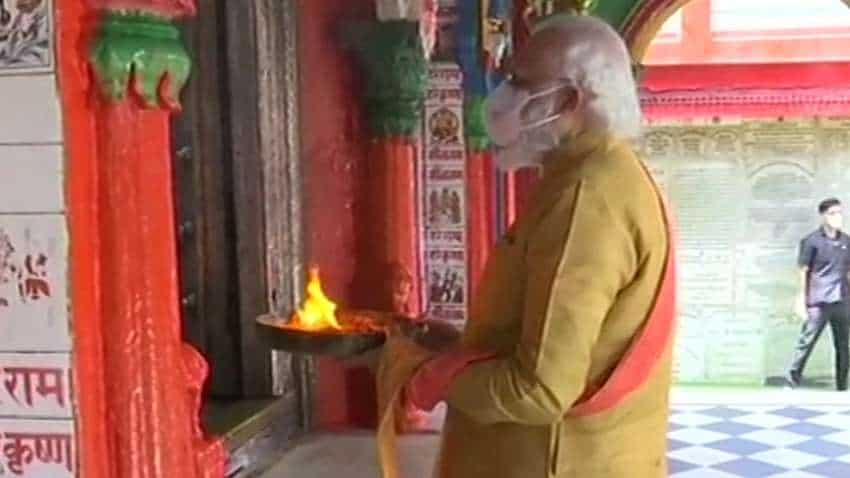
column 392, row 220
column 522, row 18
column 479, row 184
column 82, row 203
column 520, row 183
column 766, row 76
column 725, row 48
column 391, row 223
column 138, row 386
column 167, row 8
column 750, row 91
column 335, row 150
column 334, row 141
column 149, row 386
column 524, row 183
column 518, row 187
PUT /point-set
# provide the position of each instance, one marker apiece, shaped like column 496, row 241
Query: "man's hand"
column 433, row 335
column 431, row 382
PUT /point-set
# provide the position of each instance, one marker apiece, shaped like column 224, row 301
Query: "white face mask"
column 516, row 156
column 522, row 141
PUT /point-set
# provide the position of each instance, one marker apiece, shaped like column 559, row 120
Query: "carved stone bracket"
column 393, row 58
column 140, row 52
column 152, row 380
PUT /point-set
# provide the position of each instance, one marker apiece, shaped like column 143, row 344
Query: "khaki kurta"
column 562, row 297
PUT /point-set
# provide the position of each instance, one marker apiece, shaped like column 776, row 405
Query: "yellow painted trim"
column 646, row 33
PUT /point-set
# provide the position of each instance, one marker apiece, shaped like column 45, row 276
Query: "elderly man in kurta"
column 565, row 366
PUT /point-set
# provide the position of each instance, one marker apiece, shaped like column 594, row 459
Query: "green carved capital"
column 141, row 52
column 392, row 56
column 475, row 123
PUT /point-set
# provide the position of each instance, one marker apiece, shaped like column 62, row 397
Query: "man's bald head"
column 589, row 53
column 581, row 40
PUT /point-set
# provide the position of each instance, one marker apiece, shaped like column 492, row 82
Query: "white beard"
column 516, row 157
column 528, row 151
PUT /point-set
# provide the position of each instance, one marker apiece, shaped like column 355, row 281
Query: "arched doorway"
column 771, row 196
column 737, row 108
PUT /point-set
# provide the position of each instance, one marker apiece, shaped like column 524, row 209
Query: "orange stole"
column 646, row 350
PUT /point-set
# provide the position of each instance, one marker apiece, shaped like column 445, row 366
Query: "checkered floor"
column 796, row 441
column 715, row 433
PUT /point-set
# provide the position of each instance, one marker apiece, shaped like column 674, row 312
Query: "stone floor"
column 353, row 455
column 714, row 433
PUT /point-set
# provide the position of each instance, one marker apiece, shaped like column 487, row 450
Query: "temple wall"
column 334, row 148
column 35, row 339
column 744, row 194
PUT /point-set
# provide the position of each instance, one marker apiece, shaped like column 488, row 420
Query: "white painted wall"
column 35, row 339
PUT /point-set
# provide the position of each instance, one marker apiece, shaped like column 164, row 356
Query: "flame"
column 317, row 312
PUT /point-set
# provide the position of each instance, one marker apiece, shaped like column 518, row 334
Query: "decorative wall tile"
column 29, row 110
column 38, row 448
column 35, row 385
column 33, row 283
column 34, row 181
column 26, row 36
column 444, row 195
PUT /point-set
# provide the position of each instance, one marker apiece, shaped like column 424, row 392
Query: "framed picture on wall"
column 26, row 36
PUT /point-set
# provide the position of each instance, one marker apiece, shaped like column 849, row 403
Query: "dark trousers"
column 838, row 316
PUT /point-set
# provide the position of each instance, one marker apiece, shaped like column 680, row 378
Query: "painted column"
column 393, row 59
column 152, row 379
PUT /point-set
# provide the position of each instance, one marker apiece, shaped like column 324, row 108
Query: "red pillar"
column 147, row 381
column 80, row 140
column 392, row 58
column 524, row 182
column 393, row 214
column 138, row 384
column 479, row 187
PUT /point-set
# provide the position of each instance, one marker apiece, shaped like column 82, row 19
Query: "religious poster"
column 444, row 195
column 744, row 194
column 445, row 207
column 26, row 30
column 36, row 435
column 447, row 283
column 33, row 304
